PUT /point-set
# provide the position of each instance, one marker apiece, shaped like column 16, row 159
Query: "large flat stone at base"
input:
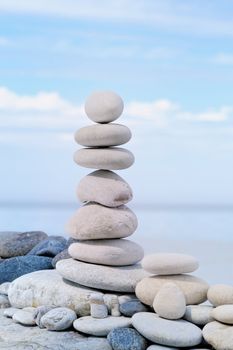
column 47, row 287
column 18, row 337
column 117, row 279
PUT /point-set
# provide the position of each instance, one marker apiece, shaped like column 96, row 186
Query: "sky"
column 170, row 60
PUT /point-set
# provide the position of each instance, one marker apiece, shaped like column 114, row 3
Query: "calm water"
column 206, row 232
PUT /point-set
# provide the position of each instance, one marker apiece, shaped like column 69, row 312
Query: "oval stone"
column 126, row 339
column 169, row 263
column 24, row 317
column 223, row 313
column 113, row 252
column 58, row 319
column 113, row 158
column 199, row 314
column 117, row 279
column 104, row 187
column 218, row 335
column 194, row 288
column 104, row 106
column 103, row 135
column 179, row 333
column 100, row 327
column 220, row 294
column 160, row 347
column 94, row 221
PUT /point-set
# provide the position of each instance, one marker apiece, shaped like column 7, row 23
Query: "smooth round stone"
column 9, row 312
column 129, row 308
column 4, row 301
column 24, row 317
column 170, row 302
column 126, row 339
column 51, row 246
column 104, row 187
column 100, row 327
column 58, row 319
column 194, row 288
column 117, row 279
column 198, row 314
column 40, row 311
column 94, row 221
column 19, row 243
column 218, row 335
column 177, row 333
column 104, row 106
column 220, row 294
column 113, row 252
column 160, row 347
column 103, row 135
column 223, row 313
column 113, row 158
column 169, row 263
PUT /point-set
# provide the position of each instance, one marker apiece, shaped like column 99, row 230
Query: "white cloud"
column 223, row 58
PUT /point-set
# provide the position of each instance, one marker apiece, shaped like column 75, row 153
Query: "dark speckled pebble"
column 131, row 307
column 126, row 339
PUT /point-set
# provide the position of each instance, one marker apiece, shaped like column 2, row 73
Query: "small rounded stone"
column 25, row 317
column 4, row 301
column 218, row 335
column 160, row 347
column 199, row 314
column 224, row 314
column 58, row 319
column 103, row 135
column 104, row 106
column 126, row 339
column 131, row 307
column 220, row 294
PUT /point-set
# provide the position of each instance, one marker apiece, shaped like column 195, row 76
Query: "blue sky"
column 171, row 61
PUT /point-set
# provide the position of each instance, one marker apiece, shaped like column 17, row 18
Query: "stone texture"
column 131, row 307
column 19, row 243
column 9, row 312
column 113, row 252
column 220, row 294
column 126, row 339
column 4, row 287
column 223, row 313
column 103, row 135
column 100, row 327
column 169, row 263
column 218, row 335
column 60, row 256
column 104, row 106
column 48, row 288
column 160, row 347
column 177, row 333
column 170, row 302
column 117, row 279
column 198, row 314
column 58, row 319
column 13, row 268
column 104, row 187
column 51, row 246
column 194, row 288
column 112, row 158
column 39, row 312
column 24, row 317
column 18, row 337
column 94, row 221
column 4, row 301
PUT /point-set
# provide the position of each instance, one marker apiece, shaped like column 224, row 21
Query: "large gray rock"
column 104, row 135
column 104, row 187
column 104, row 106
column 177, row 333
column 218, row 335
column 117, row 279
column 94, row 221
column 19, row 243
column 220, row 294
column 13, row 268
column 61, row 256
column 126, row 339
column 18, row 337
column 113, row 252
column 51, row 246
column 112, row 158
column 48, row 288
column 58, row 319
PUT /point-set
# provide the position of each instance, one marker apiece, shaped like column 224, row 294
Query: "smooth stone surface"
column 60, row 256
column 19, row 243
column 13, row 268
column 129, row 308
column 126, row 339
column 160, row 347
column 170, row 302
column 94, row 221
column 4, row 301
column 9, row 312
column 100, row 327
column 39, row 312
column 58, row 319
column 24, row 317
column 113, row 252
column 194, row 288
column 113, row 158
column 18, row 337
column 104, row 187
column 51, row 246
column 48, row 288
column 104, row 106
column 219, row 335
column 198, row 314
column 177, row 333
column 220, row 294
column 117, row 279
column 103, row 135
column 169, row 263
column 223, row 313
column 4, row 287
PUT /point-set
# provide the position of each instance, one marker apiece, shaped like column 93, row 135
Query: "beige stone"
column 218, row 335
column 223, row 313
column 220, row 294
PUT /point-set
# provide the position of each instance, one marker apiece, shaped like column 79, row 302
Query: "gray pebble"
column 126, row 339
column 58, row 319
column 131, row 307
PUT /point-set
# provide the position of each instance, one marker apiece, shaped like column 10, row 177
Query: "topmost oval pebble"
column 104, row 106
